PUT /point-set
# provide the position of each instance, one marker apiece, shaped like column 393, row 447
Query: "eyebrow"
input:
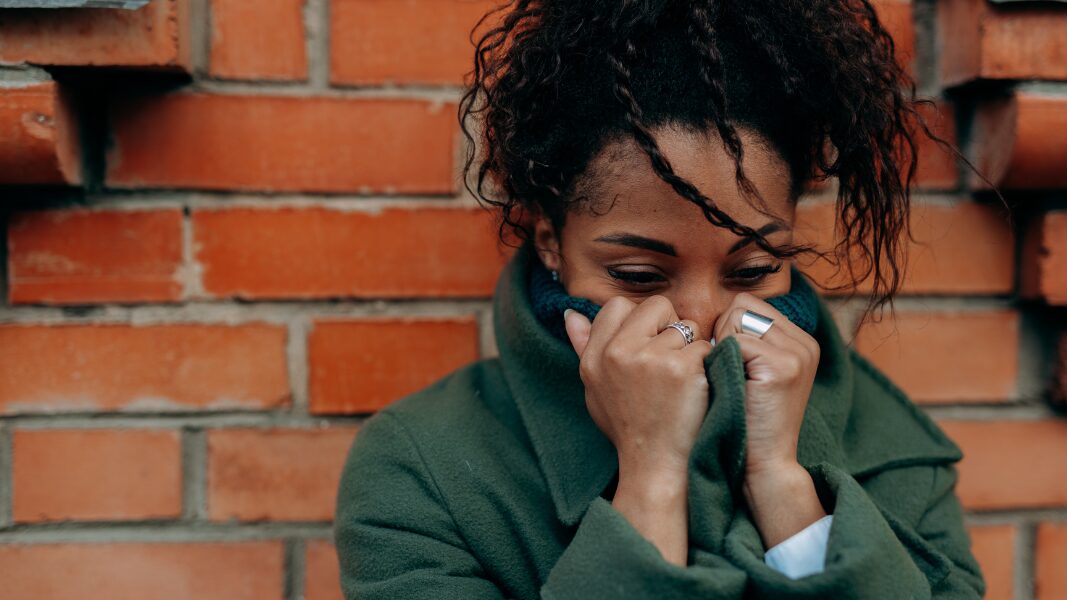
column 644, row 243
column 637, row 241
column 766, row 230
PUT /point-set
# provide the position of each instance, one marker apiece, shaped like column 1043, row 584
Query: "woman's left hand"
column 780, row 369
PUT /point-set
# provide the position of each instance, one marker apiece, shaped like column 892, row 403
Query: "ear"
column 546, row 241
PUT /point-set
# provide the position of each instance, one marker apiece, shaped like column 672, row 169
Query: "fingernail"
column 712, row 342
column 567, row 312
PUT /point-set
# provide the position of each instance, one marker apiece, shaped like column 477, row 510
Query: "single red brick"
column 81, row 256
column 896, row 17
column 106, row 367
column 1021, row 143
column 1044, row 260
column 417, row 41
column 96, row 475
column 278, row 143
column 322, row 573
column 994, row 547
column 361, row 366
column 1050, row 580
column 38, row 135
column 317, row 252
column 156, row 36
column 947, row 357
column 258, row 40
column 1011, row 464
column 982, row 40
column 968, row 248
column 134, row 570
column 275, row 474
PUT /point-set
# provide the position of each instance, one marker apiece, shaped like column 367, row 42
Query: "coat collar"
column 578, row 461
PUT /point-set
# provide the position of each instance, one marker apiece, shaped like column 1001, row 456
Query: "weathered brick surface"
column 898, row 19
column 994, row 547
column 977, row 354
column 38, row 135
column 96, row 474
column 1021, row 143
column 282, row 143
column 321, row 253
column 64, row 368
column 417, row 41
column 258, row 40
column 1044, row 259
column 157, row 570
column 982, row 40
column 1051, row 580
column 322, row 574
column 944, row 259
column 360, row 366
column 156, row 36
column 70, row 256
column 1011, row 464
column 275, row 474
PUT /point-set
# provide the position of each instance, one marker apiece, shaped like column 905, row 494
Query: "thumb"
column 578, row 327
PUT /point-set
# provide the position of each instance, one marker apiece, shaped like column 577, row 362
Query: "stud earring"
column 555, row 276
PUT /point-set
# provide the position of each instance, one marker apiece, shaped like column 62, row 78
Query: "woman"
column 673, row 412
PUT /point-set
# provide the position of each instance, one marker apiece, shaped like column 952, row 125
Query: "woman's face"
column 637, row 237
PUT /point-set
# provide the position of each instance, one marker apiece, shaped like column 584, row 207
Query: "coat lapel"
column 576, row 458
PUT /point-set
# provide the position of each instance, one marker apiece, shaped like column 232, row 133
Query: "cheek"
column 591, row 283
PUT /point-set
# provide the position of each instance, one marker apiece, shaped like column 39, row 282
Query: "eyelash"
column 748, row 276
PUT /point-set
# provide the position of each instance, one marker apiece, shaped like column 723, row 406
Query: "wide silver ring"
column 755, row 323
column 685, row 330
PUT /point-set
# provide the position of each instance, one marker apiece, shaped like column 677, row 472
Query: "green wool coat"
column 494, row 483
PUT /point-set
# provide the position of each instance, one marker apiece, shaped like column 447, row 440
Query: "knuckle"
column 658, row 299
column 791, row 366
column 618, row 303
column 677, row 369
column 587, row 370
column 615, row 355
column 744, row 297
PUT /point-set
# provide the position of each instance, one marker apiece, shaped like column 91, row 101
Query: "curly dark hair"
column 555, row 80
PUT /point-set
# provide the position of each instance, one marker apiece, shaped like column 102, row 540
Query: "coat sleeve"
column 872, row 553
column 396, row 539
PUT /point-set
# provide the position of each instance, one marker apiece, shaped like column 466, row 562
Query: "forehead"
column 622, row 189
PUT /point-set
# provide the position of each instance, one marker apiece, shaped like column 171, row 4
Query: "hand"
column 780, row 370
column 644, row 387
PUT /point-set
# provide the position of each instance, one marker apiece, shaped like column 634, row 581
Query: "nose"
column 701, row 304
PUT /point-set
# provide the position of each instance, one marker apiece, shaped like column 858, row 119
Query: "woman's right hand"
column 645, row 388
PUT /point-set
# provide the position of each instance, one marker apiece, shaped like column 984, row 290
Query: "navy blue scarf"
column 549, row 299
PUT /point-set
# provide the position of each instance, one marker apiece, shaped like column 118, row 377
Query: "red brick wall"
column 234, row 229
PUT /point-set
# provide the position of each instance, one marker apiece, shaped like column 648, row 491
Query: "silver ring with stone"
column 685, row 330
column 755, row 323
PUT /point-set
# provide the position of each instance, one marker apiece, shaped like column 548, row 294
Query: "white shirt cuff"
column 802, row 554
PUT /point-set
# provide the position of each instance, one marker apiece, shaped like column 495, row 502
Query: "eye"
column 756, row 274
column 636, row 278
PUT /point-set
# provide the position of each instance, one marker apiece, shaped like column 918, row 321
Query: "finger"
column 649, row 318
column 607, row 323
column 578, row 328
column 762, row 359
column 673, row 339
column 699, row 350
column 782, row 330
